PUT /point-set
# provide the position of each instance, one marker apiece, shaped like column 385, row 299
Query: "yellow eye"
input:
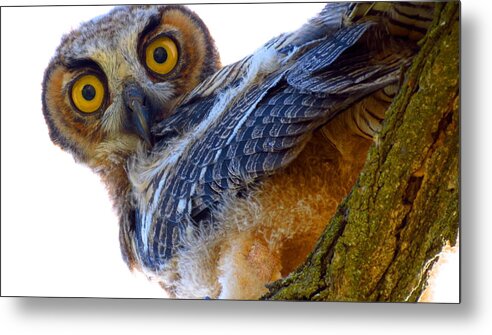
column 161, row 55
column 88, row 93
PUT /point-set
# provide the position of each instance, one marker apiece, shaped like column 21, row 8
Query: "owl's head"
column 113, row 76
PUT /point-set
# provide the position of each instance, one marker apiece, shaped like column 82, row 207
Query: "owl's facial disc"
column 116, row 76
column 139, row 112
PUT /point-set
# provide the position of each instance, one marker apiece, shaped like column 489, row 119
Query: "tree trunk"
column 387, row 233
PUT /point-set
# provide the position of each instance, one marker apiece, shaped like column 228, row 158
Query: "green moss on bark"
column 404, row 207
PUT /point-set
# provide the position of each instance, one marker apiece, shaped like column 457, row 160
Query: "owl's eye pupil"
column 160, row 55
column 88, row 92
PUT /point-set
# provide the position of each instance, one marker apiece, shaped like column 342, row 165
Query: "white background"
column 56, row 218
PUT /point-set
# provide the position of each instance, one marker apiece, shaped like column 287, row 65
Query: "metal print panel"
column 318, row 163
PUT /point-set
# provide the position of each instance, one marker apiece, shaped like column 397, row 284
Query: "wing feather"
column 261, row 126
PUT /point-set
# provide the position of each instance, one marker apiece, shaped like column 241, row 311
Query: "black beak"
column 139, row 112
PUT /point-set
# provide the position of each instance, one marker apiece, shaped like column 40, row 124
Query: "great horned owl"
column 223, row 178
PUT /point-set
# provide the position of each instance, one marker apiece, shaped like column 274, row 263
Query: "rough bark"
column 404, row 207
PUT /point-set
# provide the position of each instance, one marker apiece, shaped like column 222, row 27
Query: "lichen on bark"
column 404, row 207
